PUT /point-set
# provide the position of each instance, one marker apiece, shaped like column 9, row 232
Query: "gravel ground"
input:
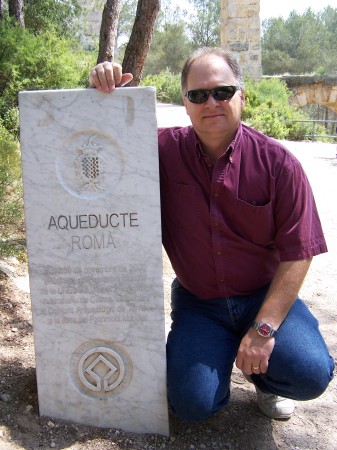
column 240, row 425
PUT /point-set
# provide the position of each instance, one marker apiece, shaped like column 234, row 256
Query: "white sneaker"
column 274, row 406
column 271, row 405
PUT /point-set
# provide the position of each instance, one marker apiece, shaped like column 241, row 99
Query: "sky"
column 270, row 8
column 284, row 7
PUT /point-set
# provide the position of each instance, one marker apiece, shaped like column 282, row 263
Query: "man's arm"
column 108, row 75
column 255, row 350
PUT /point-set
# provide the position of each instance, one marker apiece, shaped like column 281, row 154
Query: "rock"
column 5, row 398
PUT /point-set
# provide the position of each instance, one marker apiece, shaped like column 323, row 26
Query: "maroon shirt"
column 226, row 228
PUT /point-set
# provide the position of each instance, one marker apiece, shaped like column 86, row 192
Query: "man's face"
column 213, row 117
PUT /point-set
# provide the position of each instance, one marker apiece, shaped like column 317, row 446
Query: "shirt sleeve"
column 299, row 233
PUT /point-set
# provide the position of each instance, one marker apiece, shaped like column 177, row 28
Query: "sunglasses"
column 220, row 94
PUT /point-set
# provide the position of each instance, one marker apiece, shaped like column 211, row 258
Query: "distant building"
column 93, row 17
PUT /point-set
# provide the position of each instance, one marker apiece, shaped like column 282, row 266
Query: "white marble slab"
column 92, row 205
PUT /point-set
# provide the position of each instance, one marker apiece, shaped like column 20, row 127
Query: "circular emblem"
column 90, row 164
column 101, row 369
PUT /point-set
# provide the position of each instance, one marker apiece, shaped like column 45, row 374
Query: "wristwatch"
column 264, row 329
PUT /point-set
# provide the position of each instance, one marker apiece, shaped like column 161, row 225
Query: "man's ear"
column 242, row 96
column 185, row 100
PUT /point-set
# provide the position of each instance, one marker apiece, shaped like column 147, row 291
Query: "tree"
column 108, row 33
column 62, row 17
column 300, row 44
column 169, row 49
column 329, row 20
column 1, row 9
column 15, row 10
column 170, row 45
column 205, row 23
column 138, row 46
column 125, row 21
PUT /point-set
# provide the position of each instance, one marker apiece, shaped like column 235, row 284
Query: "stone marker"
column 92, row 205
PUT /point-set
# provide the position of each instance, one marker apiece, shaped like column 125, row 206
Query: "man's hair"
column 230, row 59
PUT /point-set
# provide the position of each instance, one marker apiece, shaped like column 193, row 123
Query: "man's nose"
column 211, row 101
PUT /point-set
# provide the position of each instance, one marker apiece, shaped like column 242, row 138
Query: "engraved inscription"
column 93, row 222
column 89, row 242
column 95, row 295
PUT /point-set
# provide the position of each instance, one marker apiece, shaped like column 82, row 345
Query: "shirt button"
column 219, row 253
column 216, row 195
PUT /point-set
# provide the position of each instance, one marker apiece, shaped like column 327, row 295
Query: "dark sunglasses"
column 220, row 94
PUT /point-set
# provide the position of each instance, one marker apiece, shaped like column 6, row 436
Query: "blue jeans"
column 203, row 342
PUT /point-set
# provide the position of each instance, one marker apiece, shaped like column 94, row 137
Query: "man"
column 240, row 227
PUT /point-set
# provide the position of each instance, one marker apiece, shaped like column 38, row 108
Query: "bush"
column 269, row 111
column 167, row 86
column 33, row 62
column 11, row 202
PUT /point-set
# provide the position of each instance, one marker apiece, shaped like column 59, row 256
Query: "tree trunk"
column 15, row 9
column 108, row 32
column 1, row 9
column 138, row 46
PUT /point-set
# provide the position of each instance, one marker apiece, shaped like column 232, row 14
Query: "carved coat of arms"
column 90, row 167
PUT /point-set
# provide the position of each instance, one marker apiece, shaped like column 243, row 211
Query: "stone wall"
column 315, row 89
column 240, row 33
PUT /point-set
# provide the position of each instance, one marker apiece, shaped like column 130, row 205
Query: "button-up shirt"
column 227, row 227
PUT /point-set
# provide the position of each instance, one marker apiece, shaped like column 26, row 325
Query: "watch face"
column 264, row 329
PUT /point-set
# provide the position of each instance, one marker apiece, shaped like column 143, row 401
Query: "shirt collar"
column 233, row 146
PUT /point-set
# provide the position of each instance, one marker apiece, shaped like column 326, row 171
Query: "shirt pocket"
column 181, row 206
column 252, row 223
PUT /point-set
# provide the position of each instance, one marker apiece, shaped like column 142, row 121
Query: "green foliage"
column 126, row 19
column 63, row 17
column 177, row 33
column 169, row 49
column 167, row 86
column 10, row 120
column 170, row 45
column 33, row 62
column 268, row 110
column 11, row 204
column 205, row 24
column 304, row 43
column 276, row 61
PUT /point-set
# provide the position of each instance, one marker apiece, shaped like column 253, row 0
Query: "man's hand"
column 254, row 353
column 255, row 350
column 107, row 76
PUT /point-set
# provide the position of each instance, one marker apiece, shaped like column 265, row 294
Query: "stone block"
column 92, row 206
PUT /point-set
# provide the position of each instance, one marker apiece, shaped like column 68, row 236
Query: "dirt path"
column 240, row 426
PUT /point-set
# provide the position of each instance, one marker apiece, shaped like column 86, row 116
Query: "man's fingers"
column 264, row 365
column 99, row 79
column 126, row 78
column 108, row 75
